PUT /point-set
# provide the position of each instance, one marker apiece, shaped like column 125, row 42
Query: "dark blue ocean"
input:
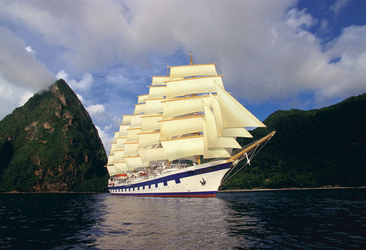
column 303, row 219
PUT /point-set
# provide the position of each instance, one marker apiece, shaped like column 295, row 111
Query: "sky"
column 274, row 54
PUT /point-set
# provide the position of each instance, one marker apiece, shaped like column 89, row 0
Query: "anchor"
column 203, row 182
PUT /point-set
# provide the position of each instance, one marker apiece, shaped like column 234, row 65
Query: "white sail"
column 136, row 121
column 120, row 167
column 211, row 153
column 157, row 92
column 132, row 134
column 118, row 154
column 111, row 170
column 184, row 147
column 114, row 146
column 126, row 120
column 180, row 126
column 131, row 148
column 120, row 142
column 185, row 105
column 110, row 159
column 122, row 130
column 133, row 162
column 234, row 114
column 152, row 154
column 159, row 80
column 139, row 108
column 192, row 70
column 213, row 140
column 148, row 139
column 142, row 98
column 154, row 106
column 189, row 86
column 221, row 131
column 151, row 122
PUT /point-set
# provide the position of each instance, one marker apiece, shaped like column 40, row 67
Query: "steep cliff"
column 50, row 144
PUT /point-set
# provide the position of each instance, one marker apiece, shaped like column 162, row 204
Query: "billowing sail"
column 151, row 122
column 191, row 86
column 183, row 106
column 183, row 147
column 192, row 70
column 148, row 139
column 159, row 80
column 180, row 126
column 121, row 167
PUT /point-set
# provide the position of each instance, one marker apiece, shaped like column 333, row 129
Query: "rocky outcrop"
column 50, row 144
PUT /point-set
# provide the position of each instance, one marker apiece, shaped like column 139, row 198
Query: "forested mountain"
column 323, row 147
column 50, row 144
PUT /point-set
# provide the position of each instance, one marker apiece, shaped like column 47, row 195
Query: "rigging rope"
column 252, row 153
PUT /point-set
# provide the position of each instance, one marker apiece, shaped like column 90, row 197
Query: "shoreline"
column 286, row 189
column 56, row 192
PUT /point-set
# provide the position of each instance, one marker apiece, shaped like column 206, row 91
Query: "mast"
column 191, row 61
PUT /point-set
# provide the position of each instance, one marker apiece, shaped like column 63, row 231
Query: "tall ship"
column 181, row 139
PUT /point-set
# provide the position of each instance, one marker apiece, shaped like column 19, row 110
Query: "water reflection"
column 154, row 223
column 333, row 219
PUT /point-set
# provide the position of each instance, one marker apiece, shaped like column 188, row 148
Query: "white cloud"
column 265, row 48
column 24, row 98
column 11, row 97
column 19, row 67
column 84, row 84
column 20, row 73
column 97, row 109
column 338, row 5
column 106, row 137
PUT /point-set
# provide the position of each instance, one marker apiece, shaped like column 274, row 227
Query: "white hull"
column 195, row 181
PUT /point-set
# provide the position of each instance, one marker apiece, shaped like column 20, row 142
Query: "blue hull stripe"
column 175, row 177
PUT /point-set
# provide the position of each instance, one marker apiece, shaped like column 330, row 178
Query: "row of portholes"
column 143, row 187
column 131, row 189
column 137, row 188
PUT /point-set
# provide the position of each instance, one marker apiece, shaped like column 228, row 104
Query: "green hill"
column 323, row 147
column 51, row 144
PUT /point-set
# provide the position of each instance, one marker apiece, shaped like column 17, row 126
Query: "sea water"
column 302, row 219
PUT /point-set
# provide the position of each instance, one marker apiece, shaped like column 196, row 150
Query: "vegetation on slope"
column 50, row 144
column 315, row 148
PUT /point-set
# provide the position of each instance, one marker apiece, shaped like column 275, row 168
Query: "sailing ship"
column 180, row 140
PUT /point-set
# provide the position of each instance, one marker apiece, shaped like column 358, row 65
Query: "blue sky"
column 278, row 54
